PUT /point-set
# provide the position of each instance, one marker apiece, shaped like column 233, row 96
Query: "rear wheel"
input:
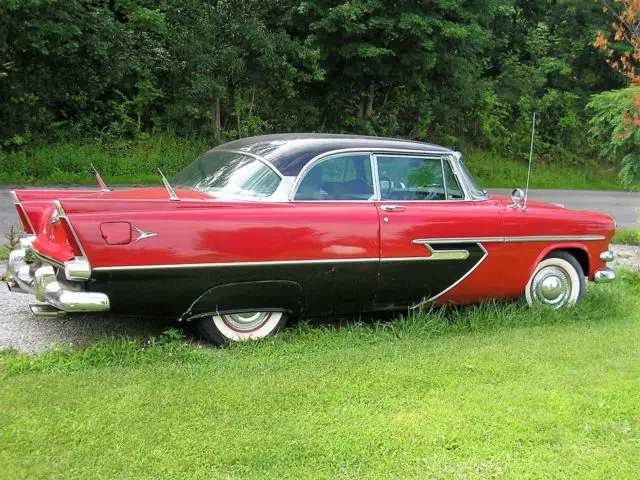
column 236, row 327
column 558, row 281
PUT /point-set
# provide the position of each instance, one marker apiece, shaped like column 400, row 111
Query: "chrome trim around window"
column 252, row 155
column 323, row 158
column 443, row 157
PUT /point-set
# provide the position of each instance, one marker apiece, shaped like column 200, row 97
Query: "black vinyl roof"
column 290, row 152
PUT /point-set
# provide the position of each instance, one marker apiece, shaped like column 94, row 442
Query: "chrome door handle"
column 393, row 208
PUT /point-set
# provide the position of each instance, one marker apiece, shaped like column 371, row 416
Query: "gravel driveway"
column 26, row 333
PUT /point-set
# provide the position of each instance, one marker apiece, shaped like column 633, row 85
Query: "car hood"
column 530, row 203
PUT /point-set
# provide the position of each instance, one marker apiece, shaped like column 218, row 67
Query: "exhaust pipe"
column 48, row 311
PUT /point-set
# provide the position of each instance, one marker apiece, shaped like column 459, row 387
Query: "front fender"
column 268, row 295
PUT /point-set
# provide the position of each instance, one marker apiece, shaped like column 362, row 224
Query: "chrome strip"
column 534, row 238
column 322, row 158
column 276, row 262
column 252, row 155
column 451, row 287
column 236, row 264
column 427, row 155
column 444, row 179
column 374, row 177
column 447, row 254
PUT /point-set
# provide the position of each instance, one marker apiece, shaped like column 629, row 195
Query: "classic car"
column 265, row 229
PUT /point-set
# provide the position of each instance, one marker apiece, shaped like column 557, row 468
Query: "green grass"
column 494, row 171
column 482, row 392
column 122, row 162
column 135, row 162
column 627, row 237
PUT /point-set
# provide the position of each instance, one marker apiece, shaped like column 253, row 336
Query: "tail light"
column 72, row 240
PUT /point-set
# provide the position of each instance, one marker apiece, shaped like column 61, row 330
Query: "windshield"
column 228, row 173
column 475, row 190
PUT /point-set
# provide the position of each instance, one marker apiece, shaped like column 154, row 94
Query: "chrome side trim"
column 235, row 264
column 458, row 255
column 559, row 238
column 447, row 254
column 533, row 238
column 460, row 280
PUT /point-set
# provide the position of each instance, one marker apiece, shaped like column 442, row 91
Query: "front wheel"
column 558, row 281
column 236, row 327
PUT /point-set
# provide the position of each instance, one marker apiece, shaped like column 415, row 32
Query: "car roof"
column 290, row 152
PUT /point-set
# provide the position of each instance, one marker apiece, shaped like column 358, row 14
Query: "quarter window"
column 454, row 192
column 345, row 177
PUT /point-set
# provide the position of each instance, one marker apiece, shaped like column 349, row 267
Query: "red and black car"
column 263, row 229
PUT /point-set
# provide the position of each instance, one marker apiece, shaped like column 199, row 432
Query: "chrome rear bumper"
column 41, row 281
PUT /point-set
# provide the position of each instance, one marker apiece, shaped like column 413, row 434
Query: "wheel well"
column 580, row 255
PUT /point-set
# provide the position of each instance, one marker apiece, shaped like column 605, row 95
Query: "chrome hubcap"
column 551, row 286
column 243, row 322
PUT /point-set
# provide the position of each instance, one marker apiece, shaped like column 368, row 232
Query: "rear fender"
column 268, row 295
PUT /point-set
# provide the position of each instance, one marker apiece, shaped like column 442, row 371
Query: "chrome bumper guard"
column 40, row 280
column 604, row 276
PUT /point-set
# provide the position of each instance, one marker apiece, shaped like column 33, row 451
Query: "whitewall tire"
column 558, row 281
column 238, row 327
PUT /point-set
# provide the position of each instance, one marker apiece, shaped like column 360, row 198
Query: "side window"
column 345, row 177
column 410, row 178
column 454, row 192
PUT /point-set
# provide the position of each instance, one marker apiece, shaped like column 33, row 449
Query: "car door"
column 337, row 221
column 430, row 232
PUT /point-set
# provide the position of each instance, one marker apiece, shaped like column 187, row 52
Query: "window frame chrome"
column 443, row 157
column 328, row 156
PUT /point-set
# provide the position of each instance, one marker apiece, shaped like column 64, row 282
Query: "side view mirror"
column 518, row 199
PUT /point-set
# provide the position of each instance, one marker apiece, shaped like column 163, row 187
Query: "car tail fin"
column 27, row 226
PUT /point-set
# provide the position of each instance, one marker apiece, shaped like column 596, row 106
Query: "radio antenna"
column 533, row 134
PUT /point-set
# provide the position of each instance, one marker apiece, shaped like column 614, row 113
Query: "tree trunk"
column 361, row 108
column 139, row 121
column 215, row 118
column 372, row 90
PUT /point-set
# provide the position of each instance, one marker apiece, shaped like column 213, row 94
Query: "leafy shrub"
column 614, row 125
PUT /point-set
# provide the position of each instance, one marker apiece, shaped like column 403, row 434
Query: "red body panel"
column 193, row 231
column 200, row 229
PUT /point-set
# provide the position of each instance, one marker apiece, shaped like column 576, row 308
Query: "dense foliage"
column 454, row 71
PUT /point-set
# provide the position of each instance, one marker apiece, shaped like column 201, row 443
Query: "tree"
column 616, row 115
